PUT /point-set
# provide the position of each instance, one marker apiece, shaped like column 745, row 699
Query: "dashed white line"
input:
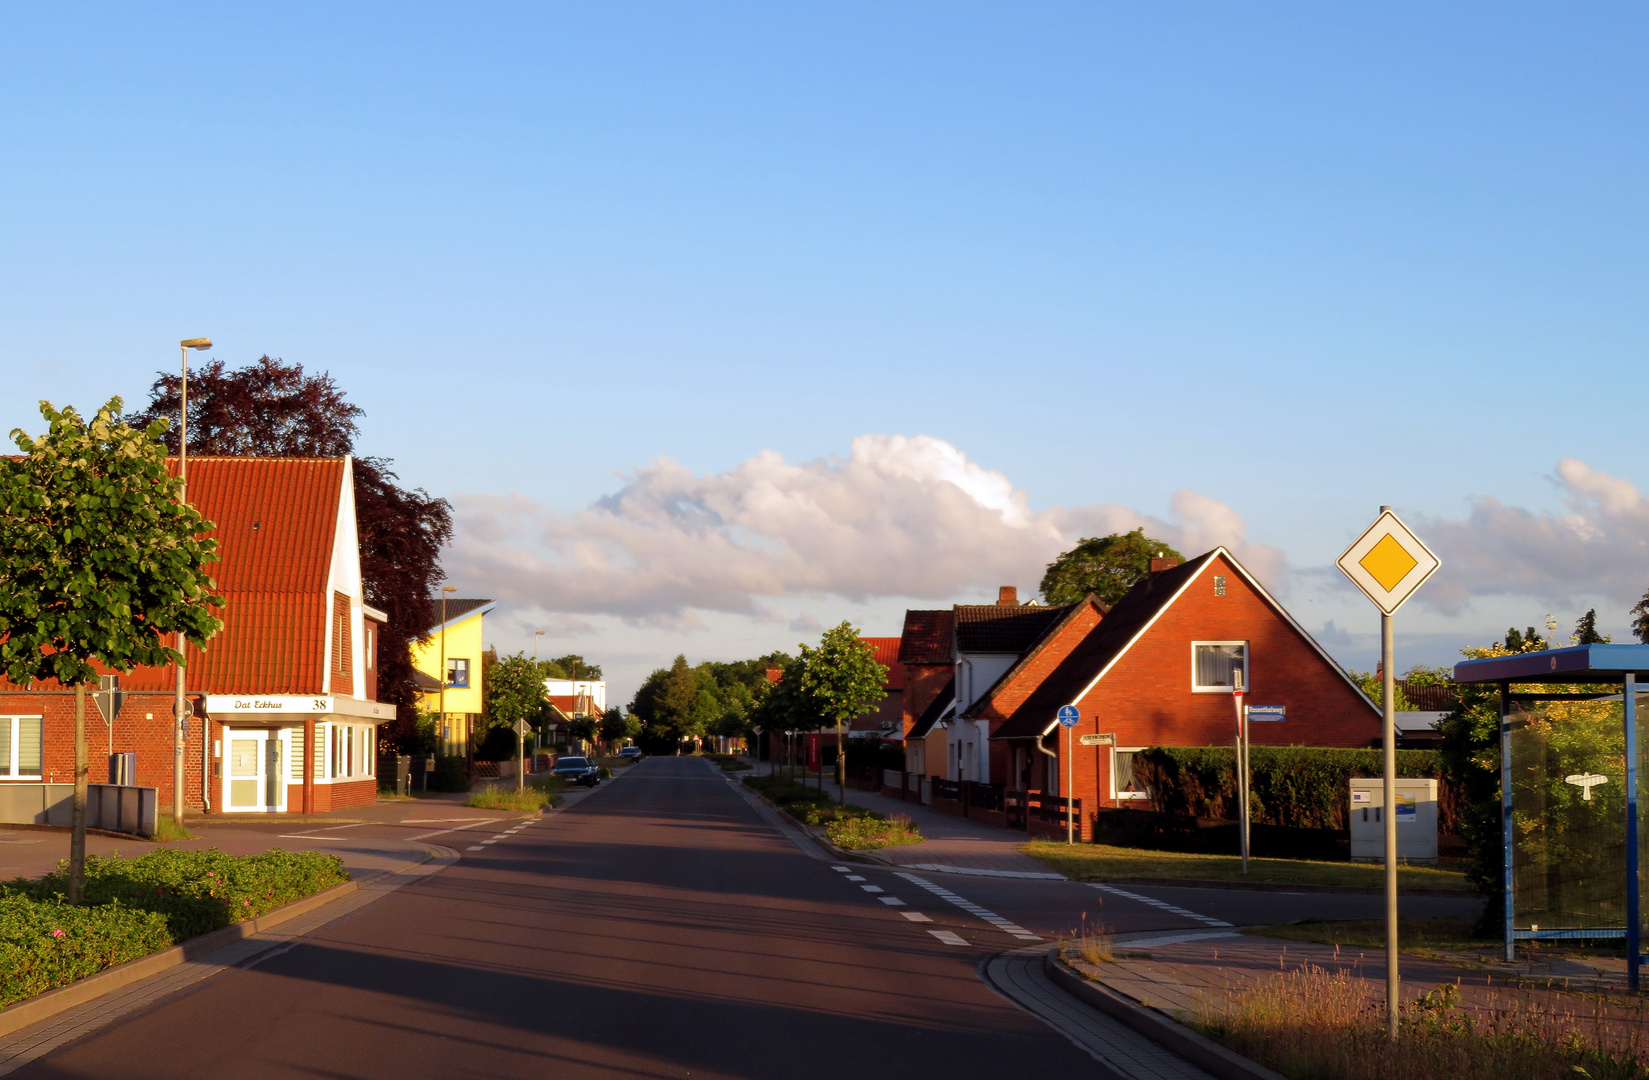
column 871, row 888
column 916, row 916
column 891, row 901
column 973, row 909
column 840, row 869
column 474, row 847
column 1159, row 904
column 853, row 877
column 948, row 937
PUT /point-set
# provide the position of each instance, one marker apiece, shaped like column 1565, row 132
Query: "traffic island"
column 1261, row 1007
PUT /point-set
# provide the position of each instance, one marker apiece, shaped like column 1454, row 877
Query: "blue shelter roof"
column 1576, row 664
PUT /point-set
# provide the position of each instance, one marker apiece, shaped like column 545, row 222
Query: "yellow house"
column 454, row 645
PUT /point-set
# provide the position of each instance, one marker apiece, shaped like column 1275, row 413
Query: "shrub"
column 134, row 907
column 868, row 831
column 1303, row 786
column 535, row 796
column 729, row 762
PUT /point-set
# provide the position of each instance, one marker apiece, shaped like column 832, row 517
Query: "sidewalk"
column 955, row 845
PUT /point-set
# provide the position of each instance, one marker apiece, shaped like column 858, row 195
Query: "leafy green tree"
column 617, row 727
column 843, row 680
column 514, row 691
column 1105, row 566
column 1640, row 619
column 101, row 561
column 665, row 702
column 1371, row 685
column 563, row 667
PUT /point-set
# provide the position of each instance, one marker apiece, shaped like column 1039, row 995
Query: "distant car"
column 630, row 753
column 577, row 770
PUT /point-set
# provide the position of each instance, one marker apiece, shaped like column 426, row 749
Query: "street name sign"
column 1106, row 739
column 1388, row 562
column 1069, row 716
column 1258, row 713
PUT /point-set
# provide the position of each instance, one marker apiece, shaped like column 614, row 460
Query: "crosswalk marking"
column 1159, row 904
column 1005, row 925
column 891, row 901
column 916, row 916
column 948, row 937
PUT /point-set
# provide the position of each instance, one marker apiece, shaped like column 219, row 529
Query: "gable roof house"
column 886, row 721
column 294, row 667
column 455, row 647
column 1159, row 669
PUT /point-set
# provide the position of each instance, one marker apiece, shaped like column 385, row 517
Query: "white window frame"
column 1125, row 796
column 1247, row 659
column 8, row 768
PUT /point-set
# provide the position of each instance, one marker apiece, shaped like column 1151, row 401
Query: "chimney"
column 1158, row 565
column 1007, row 596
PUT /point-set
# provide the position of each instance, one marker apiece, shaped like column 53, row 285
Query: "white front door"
column 254, row 777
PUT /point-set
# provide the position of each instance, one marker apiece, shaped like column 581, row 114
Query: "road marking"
column 941, row 868
column 840, row 869
column 871, row 888
column 916, row 916
column 949, row 938
column 1125, row 894
column 475, row 847
column 973, row 909
column 1147, row 941
column 317, row 833
column 484, row 842
column 853, row 877
column 891, row 901
column 459, row 828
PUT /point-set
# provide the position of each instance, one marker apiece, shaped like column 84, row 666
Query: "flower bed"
column 134, row 907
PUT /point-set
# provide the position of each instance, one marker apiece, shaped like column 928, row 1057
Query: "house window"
column 1214, row 664
column 1219, row 585
column 340, row 635
column 458, row 673
column 1125, row 786
column 371, row 644
column 20, row 747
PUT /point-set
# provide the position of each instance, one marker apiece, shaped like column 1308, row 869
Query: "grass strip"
column 730, row 762
column 535, row 796
column 1099, row 862
column 861, row 829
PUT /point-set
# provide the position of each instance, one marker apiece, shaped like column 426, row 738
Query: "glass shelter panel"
column 1568, row 770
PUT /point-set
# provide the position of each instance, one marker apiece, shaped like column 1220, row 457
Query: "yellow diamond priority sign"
column 1388, row 562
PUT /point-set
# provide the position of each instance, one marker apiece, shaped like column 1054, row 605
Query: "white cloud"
column 1599, row 548
column 900, row 517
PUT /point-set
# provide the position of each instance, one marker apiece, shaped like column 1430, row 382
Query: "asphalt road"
column 660, row 928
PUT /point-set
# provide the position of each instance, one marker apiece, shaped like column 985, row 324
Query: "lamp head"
column 449, row 588
column 196, row 343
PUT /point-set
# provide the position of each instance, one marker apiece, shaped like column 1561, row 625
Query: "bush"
column 870, row 831
column 729, row 762
column 535, row 796
column 449, row 775
column 1302, row 786
column 134, row 907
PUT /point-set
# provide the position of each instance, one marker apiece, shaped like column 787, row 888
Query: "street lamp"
column 536, row 634
column 444, row 590
column 180, row 708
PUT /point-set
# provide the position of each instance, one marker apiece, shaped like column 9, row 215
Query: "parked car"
column 630, row 753
column 577, row 770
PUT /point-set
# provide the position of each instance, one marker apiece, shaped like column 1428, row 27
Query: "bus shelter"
column 1570, row 740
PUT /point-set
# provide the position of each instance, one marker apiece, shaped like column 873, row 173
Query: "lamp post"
column 180, row 708
column 444, row 590
column 536, row 634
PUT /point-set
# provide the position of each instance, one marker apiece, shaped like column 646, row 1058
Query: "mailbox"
column 1416, row 820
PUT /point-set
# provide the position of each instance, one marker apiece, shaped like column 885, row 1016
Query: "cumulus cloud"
column 1600, row 547
column 901, row 516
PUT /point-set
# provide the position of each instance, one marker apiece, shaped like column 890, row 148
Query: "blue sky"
column 1300, row 260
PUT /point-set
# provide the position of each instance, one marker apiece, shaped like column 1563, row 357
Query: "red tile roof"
column 274, row 522
column 926, row 638
column 886, row 651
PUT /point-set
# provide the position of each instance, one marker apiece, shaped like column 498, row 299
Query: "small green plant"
column 868, row 831
column 1090, row 944
column 516, row 802
column 730, row 762
column 167, row 830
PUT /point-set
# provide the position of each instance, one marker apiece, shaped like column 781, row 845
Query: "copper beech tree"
column 101, row 561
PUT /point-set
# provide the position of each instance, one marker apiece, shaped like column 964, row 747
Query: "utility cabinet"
column 1416, row 820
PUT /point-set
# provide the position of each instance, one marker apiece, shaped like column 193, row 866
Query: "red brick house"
column 294, row 667
column 887, row 721
column 1158, row 670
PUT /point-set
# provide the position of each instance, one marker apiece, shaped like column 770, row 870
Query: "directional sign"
column 1257, row 713
column 1388, row 563
column 1069, row 716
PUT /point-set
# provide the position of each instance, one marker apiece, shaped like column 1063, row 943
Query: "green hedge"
column 134, row 907
column 1303, row 786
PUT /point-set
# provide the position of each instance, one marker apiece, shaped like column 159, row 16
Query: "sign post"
column 1242, row 765
column 1388, row 563
column 1069, row 717
column 522, row 730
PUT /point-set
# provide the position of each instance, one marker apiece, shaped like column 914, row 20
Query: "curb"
column 1202, row 1052
column 42, row 1006
column 1276, row 887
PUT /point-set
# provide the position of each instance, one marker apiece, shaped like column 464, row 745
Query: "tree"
column 270, row 408
column 616, row 727
column 665, row 703
column 515, row 691
column 563, row 667
column 844, row 681
column 101, row 561
column 1640, row 620
column 1586, row 630
column 1105, row 566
